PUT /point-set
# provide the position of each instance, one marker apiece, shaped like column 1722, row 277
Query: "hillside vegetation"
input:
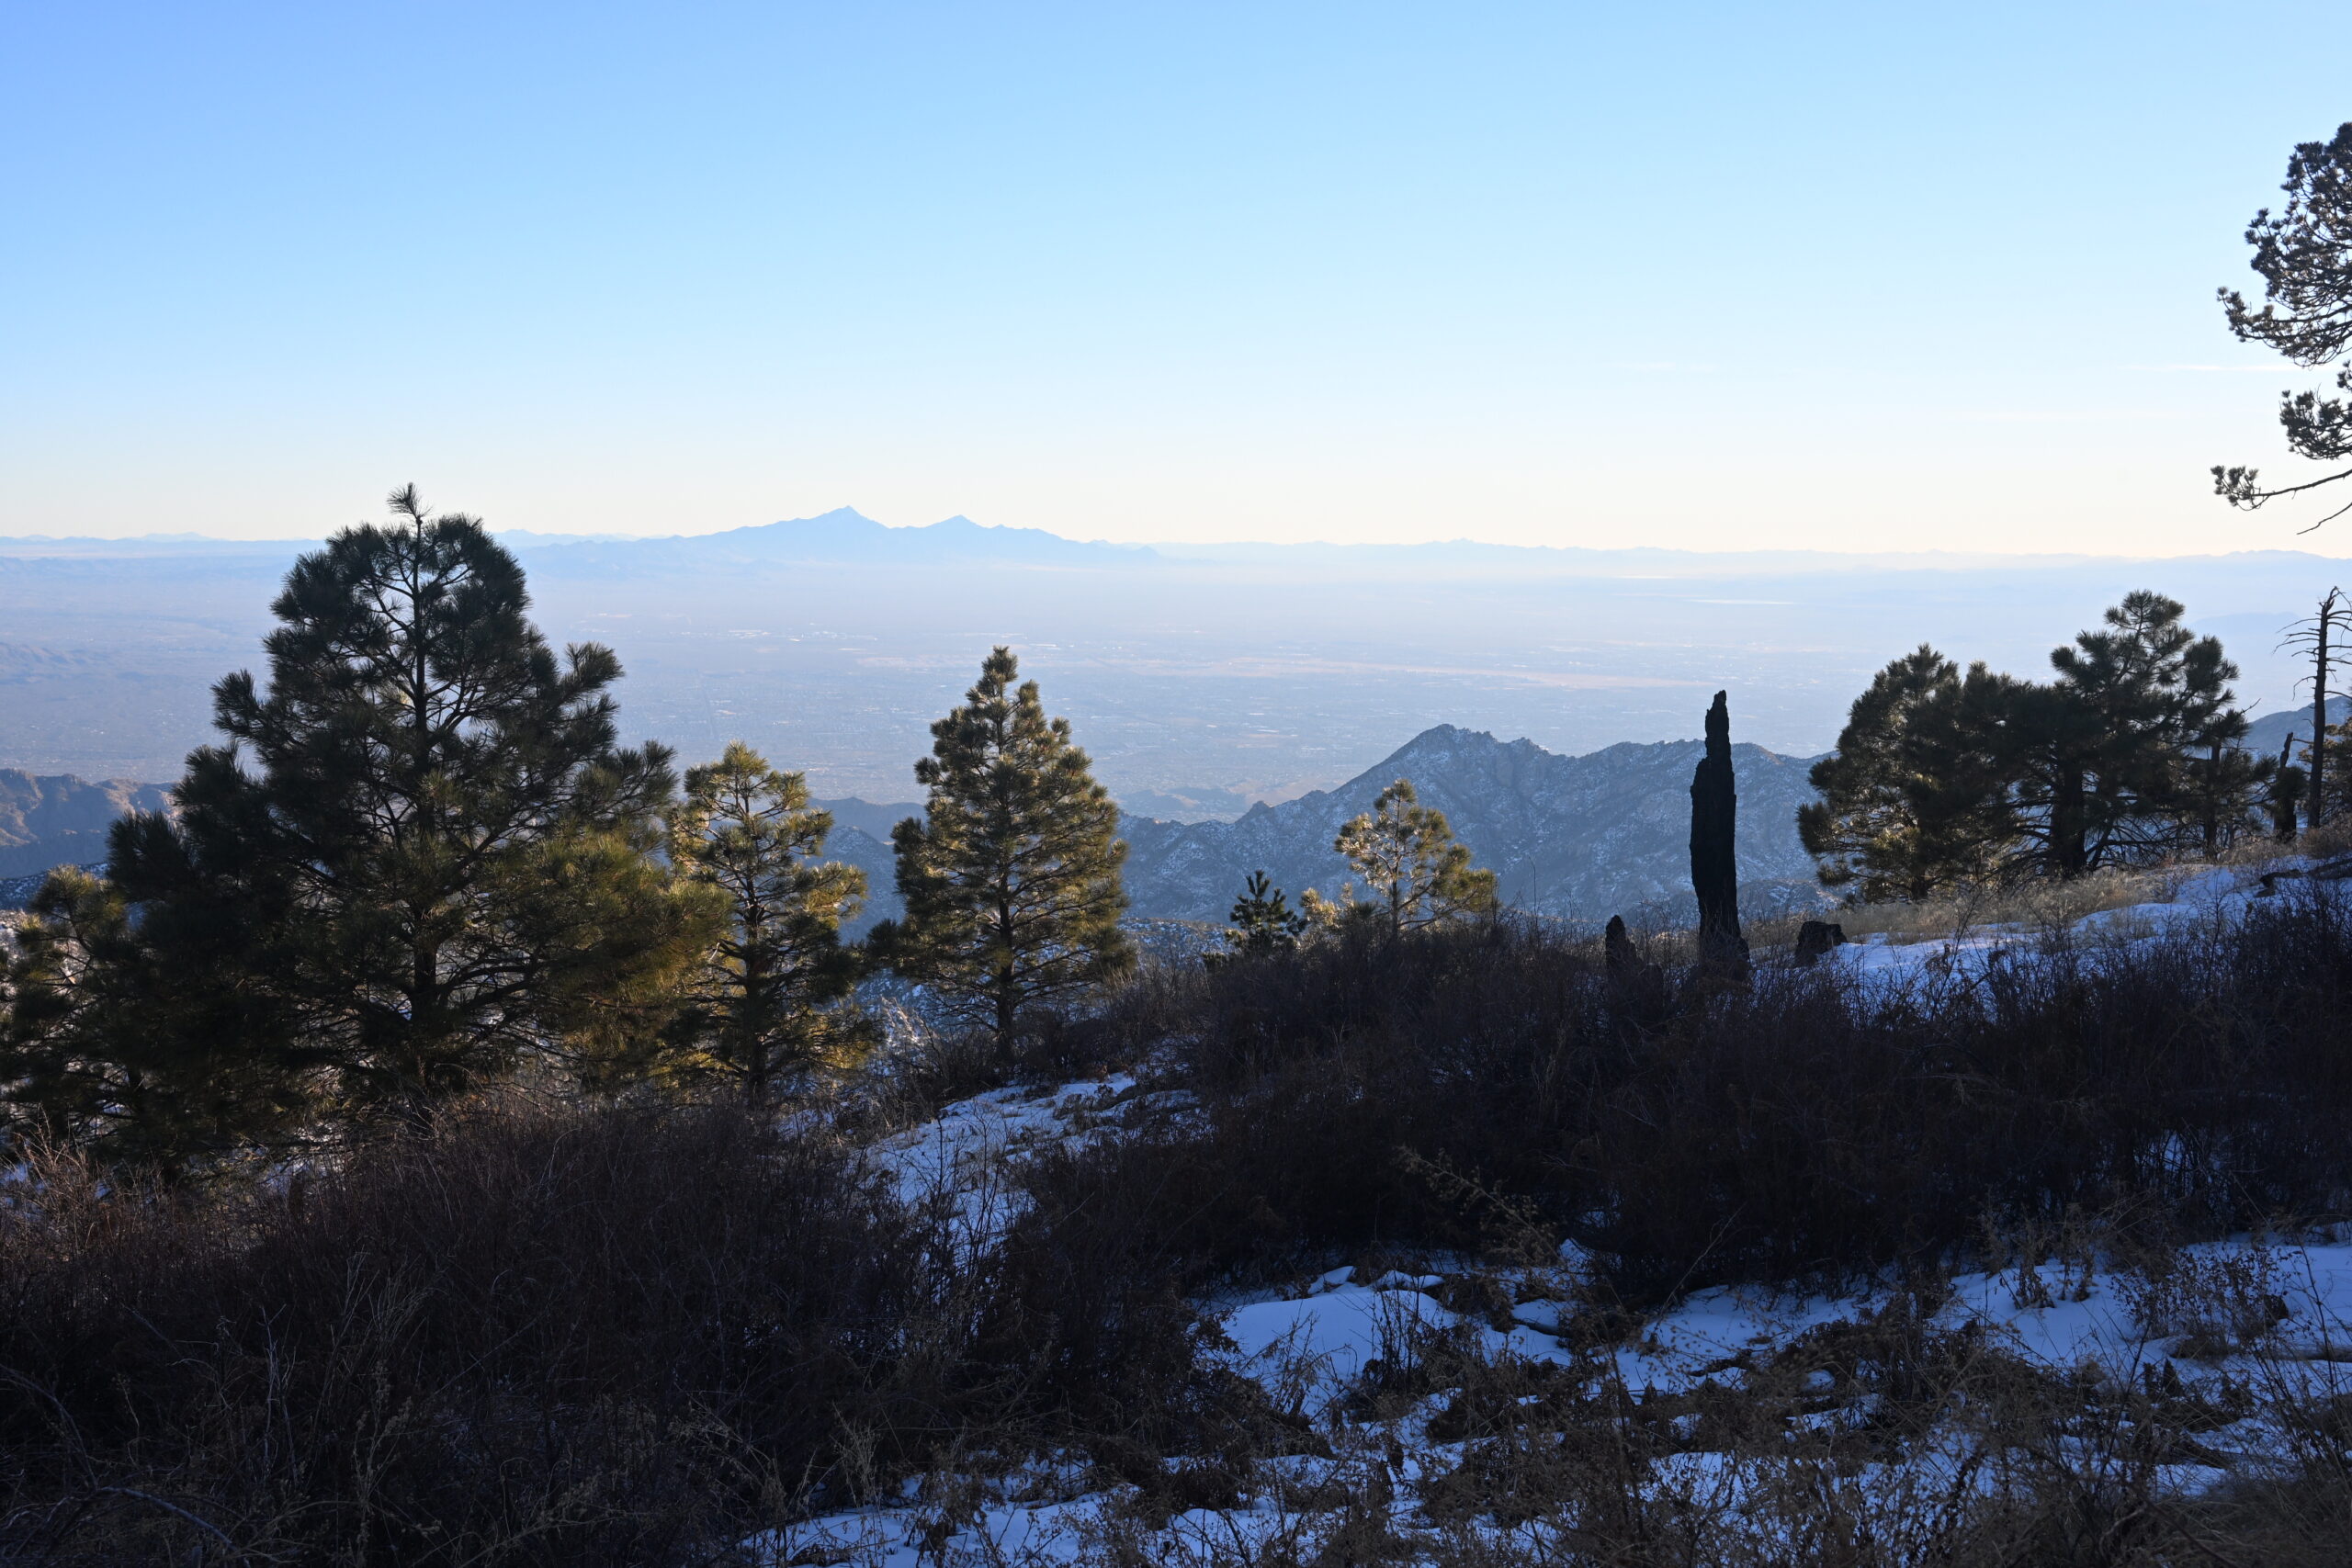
column 453, row 1136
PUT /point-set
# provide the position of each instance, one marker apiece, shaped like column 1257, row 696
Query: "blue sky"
column 1692, row 276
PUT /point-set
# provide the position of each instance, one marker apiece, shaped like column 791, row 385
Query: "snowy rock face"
column 1579, row 838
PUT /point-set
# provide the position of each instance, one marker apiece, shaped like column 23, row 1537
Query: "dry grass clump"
column 574, row 1336
column 2038, row 904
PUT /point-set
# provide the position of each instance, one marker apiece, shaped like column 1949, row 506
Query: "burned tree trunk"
column 1637, row 989
column 2318, row 806
column 2287, row 786
column 2318, row 637
column 1624, row 963
column 1715, row 871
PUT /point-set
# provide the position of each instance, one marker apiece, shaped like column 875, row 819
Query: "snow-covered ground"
column 2287, row 1302
column 1308, row 1348
column 2204, row 893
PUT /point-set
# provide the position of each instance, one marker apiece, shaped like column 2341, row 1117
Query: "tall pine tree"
column 2136, row 698
column 449, row 854
column 761, row 1011
column 1011, row 877
column 1904, row 809
column 2133, row 751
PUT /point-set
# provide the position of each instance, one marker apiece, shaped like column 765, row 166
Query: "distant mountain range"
column 845, row 535
column 2266, row 734
column 58, row 819
column 1573, row 838
column 840, row 536
column 1576, row 837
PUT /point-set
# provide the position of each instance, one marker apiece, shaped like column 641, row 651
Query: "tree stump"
column 1814, row 939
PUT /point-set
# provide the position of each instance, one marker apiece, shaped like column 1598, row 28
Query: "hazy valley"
column 1544, row 699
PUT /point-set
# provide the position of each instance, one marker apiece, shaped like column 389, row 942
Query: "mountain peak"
column 843, row 535
column 1576, row 838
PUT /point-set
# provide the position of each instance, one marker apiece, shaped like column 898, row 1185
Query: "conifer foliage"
column 158, row 1066
column 746, row 832
column 1011, row 877
column 1904, row 812
column 419, row 856
column 1263, row 922
column 2304, row 255
column 2131, row 752
column 1419, row 875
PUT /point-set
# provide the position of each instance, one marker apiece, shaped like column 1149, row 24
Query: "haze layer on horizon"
column 1199, row 680
column 1697, row 277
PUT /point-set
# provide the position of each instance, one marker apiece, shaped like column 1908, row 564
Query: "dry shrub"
column 1469, row 1089
column 581, row 1337
column 627, row 1336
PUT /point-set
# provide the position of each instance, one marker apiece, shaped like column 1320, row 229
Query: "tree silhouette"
column 1263, row 922
column 2304, row 256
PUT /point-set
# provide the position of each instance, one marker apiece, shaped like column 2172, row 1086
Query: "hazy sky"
column 1699, row 276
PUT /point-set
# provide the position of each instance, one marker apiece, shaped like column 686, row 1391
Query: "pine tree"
column 1263, row 923
column 2224, row 787
column 157, row 1066
column 1906, row 807
column 746, row 831
column 2050, row 744
column 1011, row 877
column 450, row 855
column 2135, row 749
column 2135, row 698
column 2304, row 256
column 1419, row 875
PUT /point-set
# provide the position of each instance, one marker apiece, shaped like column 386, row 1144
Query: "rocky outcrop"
column 1572, row 837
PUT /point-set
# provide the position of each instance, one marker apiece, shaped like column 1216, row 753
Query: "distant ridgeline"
column 1573, row 838
column 2269, row 731
column 1576, row 837
column 58, row 819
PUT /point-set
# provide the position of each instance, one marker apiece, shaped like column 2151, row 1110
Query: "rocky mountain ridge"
column 49, row 819
column 1574, row 838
